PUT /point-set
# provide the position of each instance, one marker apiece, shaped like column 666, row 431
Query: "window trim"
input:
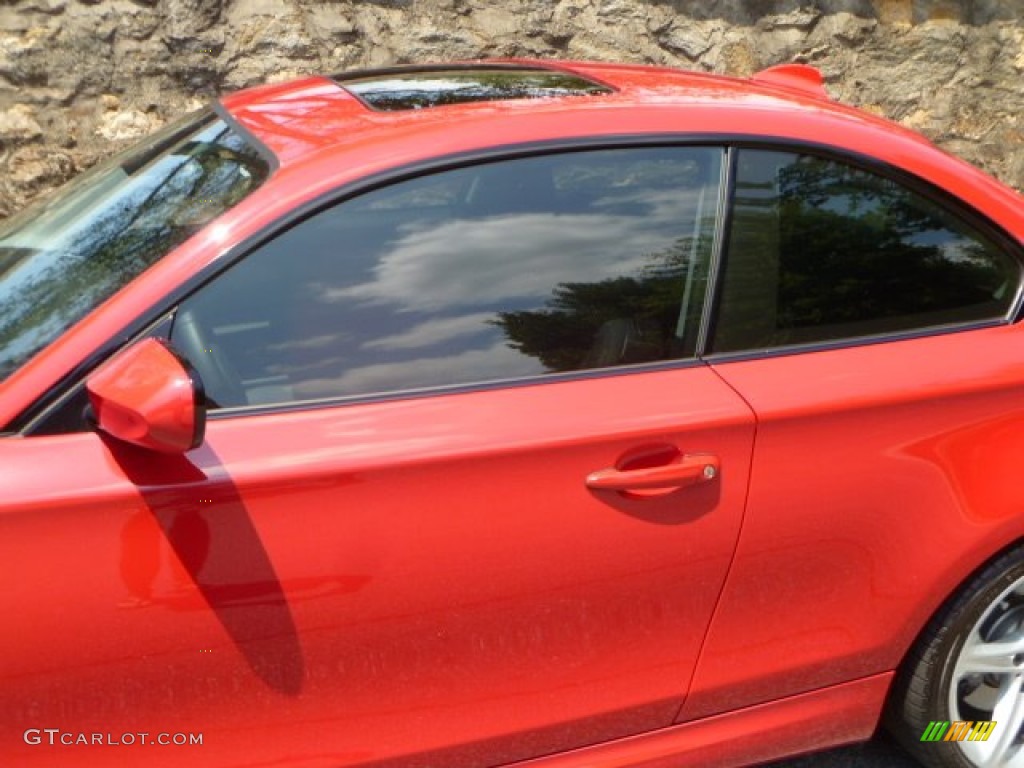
column 452, row 389
column 273, row 163
column 36, row 414
column 709, row 311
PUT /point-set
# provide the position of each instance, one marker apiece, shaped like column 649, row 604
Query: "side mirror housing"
column 148, row 396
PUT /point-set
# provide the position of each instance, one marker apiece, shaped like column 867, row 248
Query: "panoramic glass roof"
column 400, row 89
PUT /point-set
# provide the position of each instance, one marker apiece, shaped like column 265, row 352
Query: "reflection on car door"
column 424, row 578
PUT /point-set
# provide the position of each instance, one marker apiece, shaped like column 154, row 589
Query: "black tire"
column 921, row 692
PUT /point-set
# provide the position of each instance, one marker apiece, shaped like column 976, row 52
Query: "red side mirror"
column 148, row 396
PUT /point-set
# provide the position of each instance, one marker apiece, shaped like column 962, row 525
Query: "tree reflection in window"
column 490, row 272
column 620, row 321
column 820, row 250
column 64, row 257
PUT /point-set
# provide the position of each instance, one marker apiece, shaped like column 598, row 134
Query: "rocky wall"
column 79, row 79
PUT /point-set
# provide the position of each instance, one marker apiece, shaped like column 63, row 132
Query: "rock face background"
column 79, row 79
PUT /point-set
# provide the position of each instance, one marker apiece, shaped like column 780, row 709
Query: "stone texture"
column 18, row 124
column 80, row 79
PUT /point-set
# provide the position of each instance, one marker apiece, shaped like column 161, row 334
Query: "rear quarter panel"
column 883, row 476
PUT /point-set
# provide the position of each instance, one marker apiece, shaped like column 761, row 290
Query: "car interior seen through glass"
column 503, row 270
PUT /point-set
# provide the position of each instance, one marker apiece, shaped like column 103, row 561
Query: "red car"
column 512, row 412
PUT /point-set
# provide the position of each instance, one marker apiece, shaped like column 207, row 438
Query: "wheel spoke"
column 987, row 684
column 1009, row 716
column 978, row 658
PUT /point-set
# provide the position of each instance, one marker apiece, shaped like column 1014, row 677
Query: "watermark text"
column 56, row 737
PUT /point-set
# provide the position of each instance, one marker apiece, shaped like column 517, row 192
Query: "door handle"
column 689, row 469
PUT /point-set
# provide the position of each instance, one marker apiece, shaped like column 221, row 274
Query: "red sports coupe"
column 556, row 415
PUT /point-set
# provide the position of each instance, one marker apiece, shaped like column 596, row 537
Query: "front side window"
column 820, row 251
column 66, row 255
column 503, row 270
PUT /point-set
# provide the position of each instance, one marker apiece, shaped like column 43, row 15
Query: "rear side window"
column 820, row 251
column 519, row 268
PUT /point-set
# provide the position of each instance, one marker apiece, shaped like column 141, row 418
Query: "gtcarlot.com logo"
column 958, row 730
column 58, row 737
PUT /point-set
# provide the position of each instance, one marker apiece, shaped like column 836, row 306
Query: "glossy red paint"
column 799, row 77
column 912, row 444
column 147, row 397
column 838, row 715
column 326, row 587
column 392, row 613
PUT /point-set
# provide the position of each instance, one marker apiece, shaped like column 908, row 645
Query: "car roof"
column 324, row 137
column 318, row 115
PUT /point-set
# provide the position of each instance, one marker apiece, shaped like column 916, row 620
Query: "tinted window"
column 416, row 89
column 519, row 268
column 819, row 250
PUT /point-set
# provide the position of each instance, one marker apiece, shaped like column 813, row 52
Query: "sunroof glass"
column 418, row 89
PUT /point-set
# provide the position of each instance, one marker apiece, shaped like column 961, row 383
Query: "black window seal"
column 273, row 163
column 785, row 350
column 414, row 69
column 487, row 385
column 493, row 65
column 723, row 221
column 36, row 413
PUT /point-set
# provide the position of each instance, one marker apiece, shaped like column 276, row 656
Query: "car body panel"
column 816, row 720
column 400, row 578
column 884, row 473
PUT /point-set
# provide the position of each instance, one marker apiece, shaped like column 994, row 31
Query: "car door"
column 466, row 496
column 866, row 319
